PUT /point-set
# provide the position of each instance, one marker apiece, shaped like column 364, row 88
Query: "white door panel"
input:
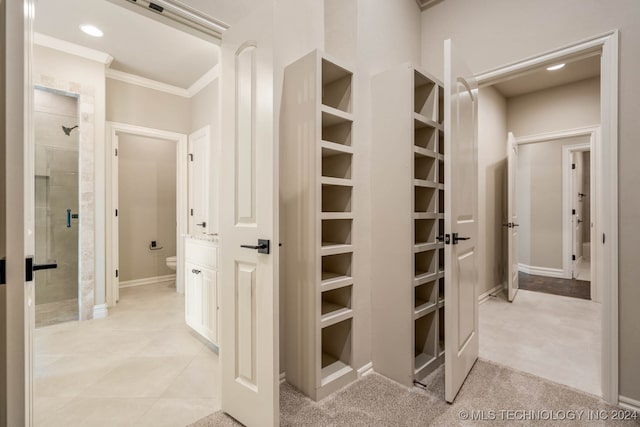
column 248, row 285
column 461, row 172
column 512, row 217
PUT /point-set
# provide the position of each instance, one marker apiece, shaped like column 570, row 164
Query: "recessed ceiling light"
column 555, row 67
column 91, row 30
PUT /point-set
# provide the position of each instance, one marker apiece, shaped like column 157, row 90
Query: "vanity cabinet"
column 201, row 288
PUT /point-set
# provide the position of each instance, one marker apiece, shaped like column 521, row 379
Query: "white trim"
column 485, row 296
column 605, row 216
column 628, row 403
column 204, row 81
column 72, row 49
column 148, row 83
column 558, row 273
column 112, row 130
column 147, row 281
column 283, row 377
column 563, row 134
column 591, row 44
column 100, row 311
column 365, row 369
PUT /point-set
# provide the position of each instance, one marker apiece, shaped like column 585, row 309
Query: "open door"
column 17, row 204
column 249, row 286
column 512, row 215
column 461, row 223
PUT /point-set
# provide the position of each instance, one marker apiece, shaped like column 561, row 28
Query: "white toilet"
column 171, row 262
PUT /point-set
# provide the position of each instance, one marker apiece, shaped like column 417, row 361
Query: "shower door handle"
column 31, row 267
column 70, row 216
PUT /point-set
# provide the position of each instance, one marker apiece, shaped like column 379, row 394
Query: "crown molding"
column 72, row 49
column 204, row 81
column 425, row 4
column 148, row 83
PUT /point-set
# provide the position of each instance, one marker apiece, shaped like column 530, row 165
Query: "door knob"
column 262, row 247
column 456, row 239
column 202, row 224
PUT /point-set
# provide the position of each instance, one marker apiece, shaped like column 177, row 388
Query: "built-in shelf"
column 441, row 142
column 336, row 350
column 424, row 183
column 425, row 263
column 425, row 137
column 441, row 261
column 440, row 200
column 424, row 168
column 425, row 231
column 318, row 166
column 440, row 105
column 425, row 96
column 336, row 86
column 441, row 289
column 425, row 340
column 425, row 295
column 336, row 126
column 424, row 199
column 336, row 198
column 441, row 332
column 420, row 122
column 441, row 171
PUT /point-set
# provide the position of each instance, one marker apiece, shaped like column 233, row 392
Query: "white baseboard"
column 542, row 271
column 365, row 370
column 485, row 296
column 283, row 377
column 148, row 281
column 628, row 403
column 100, row 311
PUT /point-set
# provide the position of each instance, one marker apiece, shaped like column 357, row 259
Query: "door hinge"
column 116, row 152
column 573, row 211
column 603, row 238
column 191, row 211
column 117, row 273
column 116, row 212
column 3, row 271
column 573, row 165
column 573, row 257
column 191, row 157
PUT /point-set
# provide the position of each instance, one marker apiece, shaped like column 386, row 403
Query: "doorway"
column 603, row 156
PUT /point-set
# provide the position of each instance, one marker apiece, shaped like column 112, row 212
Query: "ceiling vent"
column 178, row 15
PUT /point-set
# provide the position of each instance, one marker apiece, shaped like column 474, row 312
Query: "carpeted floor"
column 551, row 285
column 377, row 401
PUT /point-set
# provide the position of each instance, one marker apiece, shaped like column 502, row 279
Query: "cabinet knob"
column 194, row 271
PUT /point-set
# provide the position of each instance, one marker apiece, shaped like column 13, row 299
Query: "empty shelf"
column 424, row 183
column 336, row 181
column 421, row 247
column 420, row 121
column 336, row 215
column 336, row 86
column 331, row 281
column 331, row 148
column 333, row 369
column 336, row 198
column 336, row 350
column 332, row 116
column 335, row 249
column 424, row 152
column 425, row 340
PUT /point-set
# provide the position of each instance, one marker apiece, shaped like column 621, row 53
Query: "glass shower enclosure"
column 56, row 205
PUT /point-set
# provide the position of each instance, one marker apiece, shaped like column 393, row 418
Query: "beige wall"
column 137, row 105
column 205, row 110
column 540, row 202
column 493, row 33
column 492, row 179
column 147, row 206
column 559, row 108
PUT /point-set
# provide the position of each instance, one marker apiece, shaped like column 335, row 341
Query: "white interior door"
column 249, row 286
column 115, row 230
column 17, row 175
column 512, row 215
column 461, row 194
column 199, row 143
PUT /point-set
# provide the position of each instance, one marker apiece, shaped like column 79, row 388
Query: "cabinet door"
column 193, row 295
column 210, row 305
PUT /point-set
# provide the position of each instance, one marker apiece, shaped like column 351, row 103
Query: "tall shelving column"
column 407, row 215
column 317, row 227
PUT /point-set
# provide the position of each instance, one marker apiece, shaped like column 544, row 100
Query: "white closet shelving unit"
column 407, row 218
column 316, row 194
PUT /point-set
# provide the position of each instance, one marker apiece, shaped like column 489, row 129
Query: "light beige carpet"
column 377, row 401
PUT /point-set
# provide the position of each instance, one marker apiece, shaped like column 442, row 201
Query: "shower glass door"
column 56, row 206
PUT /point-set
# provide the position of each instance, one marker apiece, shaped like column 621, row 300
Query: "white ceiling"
column 138, row 44
column 542, row 79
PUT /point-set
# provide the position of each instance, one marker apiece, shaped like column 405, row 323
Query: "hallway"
column 140, row 366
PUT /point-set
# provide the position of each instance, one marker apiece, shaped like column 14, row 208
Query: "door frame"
column 606, row 153
column 568, row 194
column 113, row 129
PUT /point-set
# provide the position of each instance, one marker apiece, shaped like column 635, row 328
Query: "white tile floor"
column 551, row 336
column 140, row 366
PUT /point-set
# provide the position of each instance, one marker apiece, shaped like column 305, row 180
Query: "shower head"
column 67, row 131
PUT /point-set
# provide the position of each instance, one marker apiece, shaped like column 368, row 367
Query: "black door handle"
column 31, row 267
column 194, row 271
column 456, row 238
column 262, row 247
column 446, row 239
column 202, row 224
